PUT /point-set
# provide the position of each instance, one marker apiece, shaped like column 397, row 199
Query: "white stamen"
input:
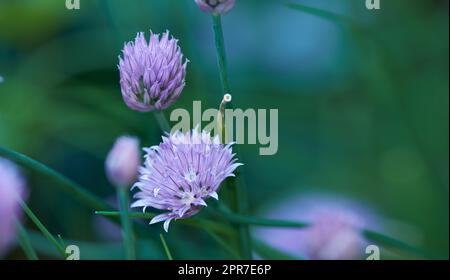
column 156, row 191
column 190, row 176
column 187, row 198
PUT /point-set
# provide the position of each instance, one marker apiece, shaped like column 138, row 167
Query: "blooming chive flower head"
column 123, row 161
column 181, row 173
column 334, row 231
column 152, row 74
column 12, row 187
column 216, row 6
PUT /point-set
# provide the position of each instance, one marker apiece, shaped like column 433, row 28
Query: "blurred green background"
column 363, row 105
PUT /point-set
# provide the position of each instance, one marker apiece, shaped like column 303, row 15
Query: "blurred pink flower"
column 12, row 187
column 333, row 234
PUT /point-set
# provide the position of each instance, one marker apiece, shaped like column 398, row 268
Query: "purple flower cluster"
column 181, row 173
column 152, row 74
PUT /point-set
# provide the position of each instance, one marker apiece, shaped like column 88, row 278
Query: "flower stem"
column 25, row 243
column 226, row 213
column 42, row 228
column 221, row 53
column 239, row 185
column 162, row 121
column 166, row 248
column 63, row 182
column 127, row 228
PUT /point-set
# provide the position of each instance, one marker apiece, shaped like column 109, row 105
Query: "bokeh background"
column 362, row 100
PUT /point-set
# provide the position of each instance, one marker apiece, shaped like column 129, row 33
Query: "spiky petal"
column 152, row 74
column 181, row 173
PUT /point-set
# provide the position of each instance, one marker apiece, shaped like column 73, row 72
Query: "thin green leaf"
column 42, row 228
column 194, row 222
column 387, row 241
column 96, row 250
column 166, row 248
column 25, row 243
column 67, row 185
column 320, row 13
column 254, row 221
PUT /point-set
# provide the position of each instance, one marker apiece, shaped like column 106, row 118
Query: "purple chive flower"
column 12, row 187
column 333, row 233
column 216, row 6
column 123, row 161
column 181, row 173
column 152, row 74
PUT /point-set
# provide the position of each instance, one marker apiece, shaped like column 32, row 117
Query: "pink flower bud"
column 123, row 161
column 216, row 6
column 152, row 73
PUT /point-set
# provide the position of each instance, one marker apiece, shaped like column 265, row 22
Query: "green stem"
column 127, row 228
column 320, row 13
column 221, row 53
column 194, row 222
column 255, row 221
column 137, row 215
column 241, row 189
column 25, row 243
column 42, row 228
column 162, row 121
column 67, row 185
column 391, row 242
column 166, row 248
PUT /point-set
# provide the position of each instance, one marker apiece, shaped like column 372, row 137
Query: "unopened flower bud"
column 152, row 74
column 123, row 161
column 216, row 6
